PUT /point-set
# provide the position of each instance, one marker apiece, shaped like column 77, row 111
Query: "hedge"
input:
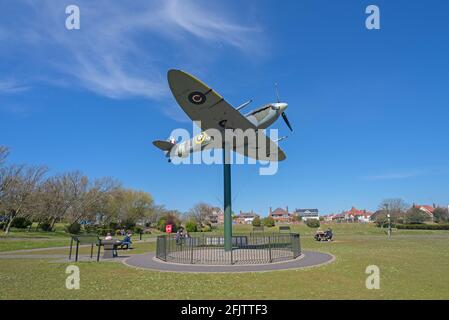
column 423, row 226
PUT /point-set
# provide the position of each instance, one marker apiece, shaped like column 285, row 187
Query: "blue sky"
column 369, row 107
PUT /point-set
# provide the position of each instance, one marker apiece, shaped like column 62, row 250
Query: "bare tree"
column 395, row 207
column 4, row 152
column 18, row 191
column 55, row 198
column 87, row 198
column 202, row 213
column 129, row 205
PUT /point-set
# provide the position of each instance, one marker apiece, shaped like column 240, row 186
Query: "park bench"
column 109, row 246
column 85, row 239
column 284, row 229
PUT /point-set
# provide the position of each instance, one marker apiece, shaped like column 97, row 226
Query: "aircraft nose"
column 283, row 106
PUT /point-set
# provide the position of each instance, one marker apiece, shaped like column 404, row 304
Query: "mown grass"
column 413, row 265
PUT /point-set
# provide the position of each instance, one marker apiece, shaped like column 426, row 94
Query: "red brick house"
column 281, row 216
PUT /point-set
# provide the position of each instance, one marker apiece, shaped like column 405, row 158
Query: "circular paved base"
column 307, row 259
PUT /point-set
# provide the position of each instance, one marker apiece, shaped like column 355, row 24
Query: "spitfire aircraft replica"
column 206, row 107
column 216, row 117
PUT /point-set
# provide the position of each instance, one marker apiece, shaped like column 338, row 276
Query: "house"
column 245, row 217
column 307, row 214
column 217, row 216
column 426, row 209
column 353, row 215
column 281, row 216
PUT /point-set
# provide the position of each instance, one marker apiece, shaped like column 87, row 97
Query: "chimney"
column 286, row 209
column 270, row 210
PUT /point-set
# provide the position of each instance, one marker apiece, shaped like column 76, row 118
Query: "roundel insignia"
column 200, row 138
column 197, row 98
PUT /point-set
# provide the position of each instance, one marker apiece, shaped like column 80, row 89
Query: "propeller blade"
column 284, row 116
column 277, row 92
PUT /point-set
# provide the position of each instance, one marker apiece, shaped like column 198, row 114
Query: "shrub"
column 74, row 228
column 21, row 223
column 206, row 229
column 423, row 226
column 113, row 225
column 105, row 231
column 91, row 229
column 128, row 224
column 191, row 226
column 416, row 216
column 313, row 223
column 138, row 229
column 257, row 222
column 268, row 222
column 45, row 226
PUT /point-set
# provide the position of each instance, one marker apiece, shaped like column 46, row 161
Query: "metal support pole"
column 99, row 249
column 71, row 244
column 389, row 226
column 76, row 254
column 227, row 198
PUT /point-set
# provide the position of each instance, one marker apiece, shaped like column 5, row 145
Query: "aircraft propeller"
column 284, row 116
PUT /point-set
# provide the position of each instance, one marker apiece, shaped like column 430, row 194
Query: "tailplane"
column 163, row 145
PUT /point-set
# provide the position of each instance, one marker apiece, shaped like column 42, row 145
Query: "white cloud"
column 11, row 86
column 123, row 48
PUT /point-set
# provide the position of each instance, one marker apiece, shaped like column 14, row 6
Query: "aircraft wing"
column 201, row 103
column 263, row 148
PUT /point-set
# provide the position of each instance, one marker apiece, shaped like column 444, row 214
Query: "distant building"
column 281, row 216
column 353, row 215
column 426, row 209
column 217, row 216
column 245, row 217
column 307, row 214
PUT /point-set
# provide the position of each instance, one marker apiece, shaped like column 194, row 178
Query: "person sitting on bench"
column 328, row 234
column 126, row 243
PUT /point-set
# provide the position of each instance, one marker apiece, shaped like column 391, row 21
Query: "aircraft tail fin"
column 163, row 145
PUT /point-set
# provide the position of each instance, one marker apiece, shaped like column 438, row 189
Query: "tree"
column 18, row 191
column 395, row 207
column 55, row 199
column 257, row 222
column 4, row 152
column 416, row 216
column 202, row 213
column 191, row 226
column 313, row 223
column 169, row 217
column 128, row 206
column 87, row 198
column 440, row 215
column 268, row 222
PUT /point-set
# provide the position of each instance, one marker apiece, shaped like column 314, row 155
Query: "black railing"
column 246, row 249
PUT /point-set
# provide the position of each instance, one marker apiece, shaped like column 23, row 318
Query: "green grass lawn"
column 413, row 265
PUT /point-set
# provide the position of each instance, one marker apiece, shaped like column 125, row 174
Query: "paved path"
column 63, row 247
column 307, row 259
